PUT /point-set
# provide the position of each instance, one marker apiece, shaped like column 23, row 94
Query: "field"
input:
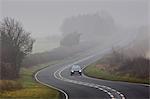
column 26, row 87
column 96, row 72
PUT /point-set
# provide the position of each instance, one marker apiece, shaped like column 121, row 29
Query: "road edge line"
column 36, row 78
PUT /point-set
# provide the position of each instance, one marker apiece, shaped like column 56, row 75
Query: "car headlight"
column 72, row 71
column 79, row 70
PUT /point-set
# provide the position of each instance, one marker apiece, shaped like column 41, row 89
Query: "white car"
column 76, row 68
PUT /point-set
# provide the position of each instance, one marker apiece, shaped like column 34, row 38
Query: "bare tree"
column 16, row 43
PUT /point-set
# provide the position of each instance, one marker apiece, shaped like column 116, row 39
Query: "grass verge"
column 93, row 71
column 31, row 89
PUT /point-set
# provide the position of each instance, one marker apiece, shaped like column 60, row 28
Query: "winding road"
column 83, row 87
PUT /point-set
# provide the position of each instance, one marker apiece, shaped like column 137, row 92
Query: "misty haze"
column 77, row 49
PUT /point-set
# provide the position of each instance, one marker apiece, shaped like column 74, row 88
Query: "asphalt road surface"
column 83, row 87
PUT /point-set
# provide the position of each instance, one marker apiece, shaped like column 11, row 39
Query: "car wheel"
column 71, row 74
column 80, row 73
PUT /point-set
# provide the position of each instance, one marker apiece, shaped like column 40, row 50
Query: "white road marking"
column 57, row 75
column 35, row 76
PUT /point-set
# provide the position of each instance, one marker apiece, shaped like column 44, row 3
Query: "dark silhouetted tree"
column 71, row 39
column 16, row 43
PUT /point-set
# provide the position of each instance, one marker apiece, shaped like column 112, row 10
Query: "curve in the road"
column 110, row 91
column 36, row 78
column 58, row 74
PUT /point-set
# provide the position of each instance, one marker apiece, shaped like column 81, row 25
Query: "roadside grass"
column 93, row 71
column 31, row 89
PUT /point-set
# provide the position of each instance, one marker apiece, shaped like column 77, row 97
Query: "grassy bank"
column 30, row 88
column 96, row 72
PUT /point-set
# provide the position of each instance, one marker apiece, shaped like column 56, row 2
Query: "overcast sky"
column 44, row 17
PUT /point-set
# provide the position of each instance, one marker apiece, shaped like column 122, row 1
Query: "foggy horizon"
column 44, row 19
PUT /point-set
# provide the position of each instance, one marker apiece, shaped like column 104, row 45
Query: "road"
column 83, row 87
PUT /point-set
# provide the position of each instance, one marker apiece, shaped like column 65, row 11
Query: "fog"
column 97, row 21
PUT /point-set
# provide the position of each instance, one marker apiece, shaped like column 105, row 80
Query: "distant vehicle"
column 76, row 68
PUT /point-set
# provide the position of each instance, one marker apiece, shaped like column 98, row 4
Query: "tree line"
column 95, row 26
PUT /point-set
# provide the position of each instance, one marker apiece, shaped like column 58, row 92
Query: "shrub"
column 138, row 67
column 8, row 85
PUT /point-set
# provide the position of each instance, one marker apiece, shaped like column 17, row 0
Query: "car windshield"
column 76, row 67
